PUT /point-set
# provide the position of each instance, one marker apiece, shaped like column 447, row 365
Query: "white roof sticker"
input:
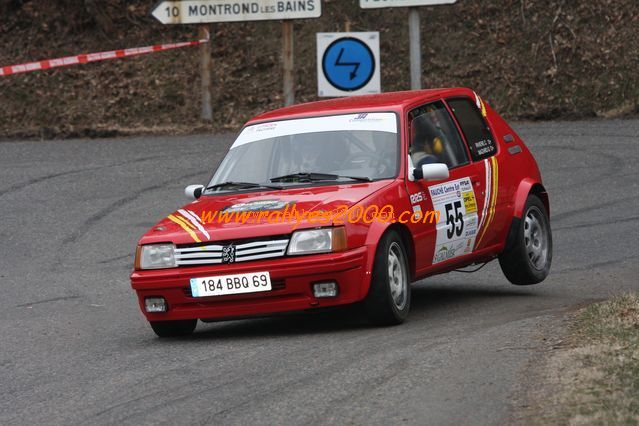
column 376, row 122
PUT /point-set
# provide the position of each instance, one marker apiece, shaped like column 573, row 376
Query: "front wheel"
column 528, row 258
column 388, row 300
column 173, row 328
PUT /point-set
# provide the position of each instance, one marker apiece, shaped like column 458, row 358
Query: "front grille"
column 209, row 254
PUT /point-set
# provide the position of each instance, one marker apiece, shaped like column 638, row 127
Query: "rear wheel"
column 388, row 300
column 173, row 328
column 528, row 258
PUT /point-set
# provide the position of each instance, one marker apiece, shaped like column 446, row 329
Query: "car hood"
column 202, row 220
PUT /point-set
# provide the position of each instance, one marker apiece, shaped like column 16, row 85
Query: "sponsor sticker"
column 374, row 122
column 417, row 198
column 469, row 201
column 457, row 225
column 417, row 212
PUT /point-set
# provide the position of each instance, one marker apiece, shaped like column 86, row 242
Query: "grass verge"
column 594, row 378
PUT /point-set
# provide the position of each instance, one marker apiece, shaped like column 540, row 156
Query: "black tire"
column 528, row 255
column 388, row 301
column 173, row 328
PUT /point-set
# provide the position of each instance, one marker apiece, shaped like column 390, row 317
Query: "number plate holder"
column 224, row 285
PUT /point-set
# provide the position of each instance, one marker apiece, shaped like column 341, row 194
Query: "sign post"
column 287, row 61
column 210, row 11
column 414, row 37
column 205, row 71
column 414, row 31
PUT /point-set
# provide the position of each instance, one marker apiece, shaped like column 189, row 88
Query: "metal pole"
column 287, row 60
column 415, row 49
column 205, row 73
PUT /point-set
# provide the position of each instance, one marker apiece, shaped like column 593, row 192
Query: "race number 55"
column 455, row 222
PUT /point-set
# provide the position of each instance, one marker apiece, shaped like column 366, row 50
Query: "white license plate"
column 223, row 285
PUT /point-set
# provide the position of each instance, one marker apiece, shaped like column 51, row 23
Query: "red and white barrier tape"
column 94, row 57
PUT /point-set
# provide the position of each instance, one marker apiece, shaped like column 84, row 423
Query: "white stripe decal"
column 195, row 216
column 194, row 220
column 487, row 191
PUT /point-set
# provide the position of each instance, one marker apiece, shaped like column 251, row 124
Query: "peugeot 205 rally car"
column 456, row 184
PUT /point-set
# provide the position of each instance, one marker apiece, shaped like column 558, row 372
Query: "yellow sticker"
column 469, row 201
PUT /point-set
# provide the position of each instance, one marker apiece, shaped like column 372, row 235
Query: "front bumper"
column 292, row 279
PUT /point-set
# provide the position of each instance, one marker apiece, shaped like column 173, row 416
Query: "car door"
column 447, row 236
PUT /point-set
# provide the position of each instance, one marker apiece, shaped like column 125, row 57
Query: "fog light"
column 155, row 304
column 326, row 289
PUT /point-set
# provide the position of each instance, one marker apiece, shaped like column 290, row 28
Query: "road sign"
column 377, row 4
column 207, row 11
column 348, row 64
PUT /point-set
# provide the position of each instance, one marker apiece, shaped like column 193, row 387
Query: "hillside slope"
column 531, row 59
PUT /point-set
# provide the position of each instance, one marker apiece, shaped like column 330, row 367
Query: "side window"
column 480, row 141
column 434, row 137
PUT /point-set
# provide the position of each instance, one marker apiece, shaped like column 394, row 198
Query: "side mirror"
column 435, row 171
column 194, row 191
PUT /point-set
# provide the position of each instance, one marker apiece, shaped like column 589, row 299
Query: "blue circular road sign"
column 348, row 64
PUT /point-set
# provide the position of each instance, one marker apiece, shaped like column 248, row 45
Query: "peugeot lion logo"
column 228, row 254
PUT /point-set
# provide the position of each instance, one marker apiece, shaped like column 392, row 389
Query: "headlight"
column 156, row 256
column 323, row 240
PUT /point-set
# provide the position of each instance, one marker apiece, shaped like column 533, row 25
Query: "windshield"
column 349, row 146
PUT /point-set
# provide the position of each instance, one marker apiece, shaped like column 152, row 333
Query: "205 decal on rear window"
column 457, row 225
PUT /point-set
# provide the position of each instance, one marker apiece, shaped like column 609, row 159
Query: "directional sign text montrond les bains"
column 205, row 11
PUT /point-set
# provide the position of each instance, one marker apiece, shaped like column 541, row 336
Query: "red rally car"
column 346, row 201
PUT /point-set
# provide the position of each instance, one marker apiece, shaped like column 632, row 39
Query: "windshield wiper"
column 312, row 176
column 244, row 185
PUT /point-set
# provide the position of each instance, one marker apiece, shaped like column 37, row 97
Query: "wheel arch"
column 526, row 188
column 539, row 190
column 375, row 234
column 409, row 245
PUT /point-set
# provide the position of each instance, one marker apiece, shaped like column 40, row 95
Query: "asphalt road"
column 75, row 349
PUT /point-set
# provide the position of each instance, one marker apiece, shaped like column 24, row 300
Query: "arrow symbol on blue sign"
column 339, row 63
